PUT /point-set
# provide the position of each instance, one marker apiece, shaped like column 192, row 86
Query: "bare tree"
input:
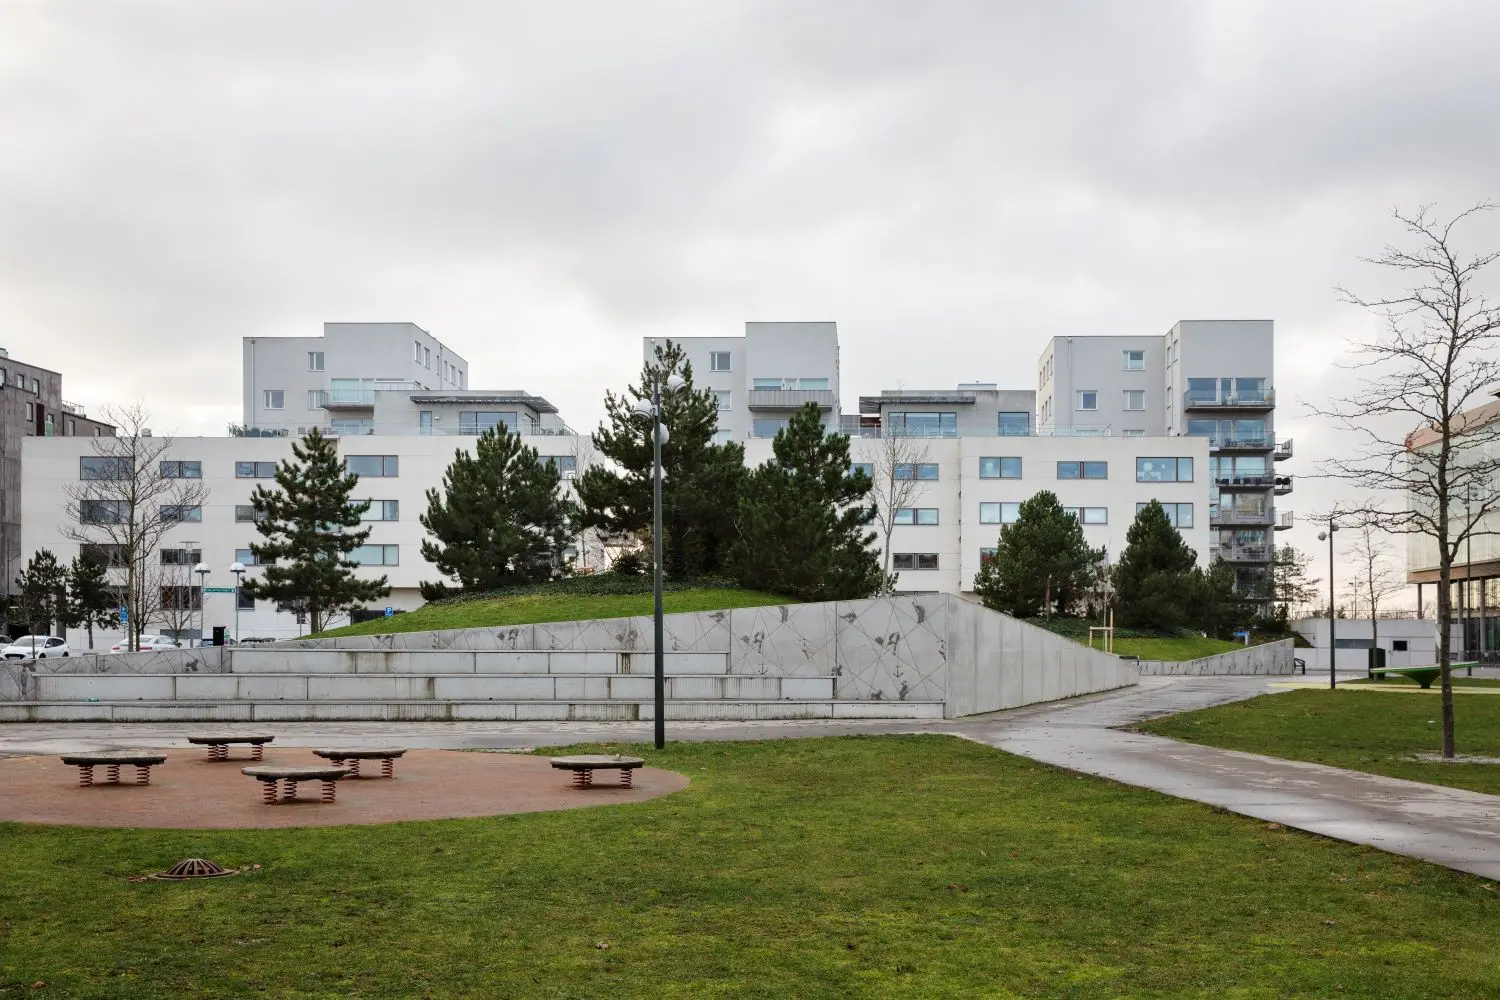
column 1433, row 362
column 1377, row 579
column 1292, row 590
column 897, row 484
column 129, row 494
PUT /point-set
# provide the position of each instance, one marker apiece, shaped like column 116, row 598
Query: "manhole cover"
column 195, row 868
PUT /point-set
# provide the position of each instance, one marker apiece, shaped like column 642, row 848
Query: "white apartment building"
column 760, row 379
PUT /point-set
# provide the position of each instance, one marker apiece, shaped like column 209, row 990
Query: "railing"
column 1244, row 553
column 1283, row 449
column 369, row 427
column 1250, row 399
column 1259, row 518
column 1283, row 485
column 74, row 408
column 1284, row 522
column 1253, row 481
column 364, row 393
column 791, row 399
column 1248, row 442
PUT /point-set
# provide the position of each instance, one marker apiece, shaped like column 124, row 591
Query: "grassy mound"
column 1146, row 644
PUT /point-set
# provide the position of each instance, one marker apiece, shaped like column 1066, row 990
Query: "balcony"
column 76, row 409
column 1244, row 553
column 1284, row 521
column 362, row 396
column 1283, row 450
column 1283, row 485
column 1229, row 517
column 791, row 399
column 1262, row 399
column 1258, row 481
column 1249, row 442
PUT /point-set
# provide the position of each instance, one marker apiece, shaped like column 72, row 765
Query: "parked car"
column 35, row 647
column 148, row 642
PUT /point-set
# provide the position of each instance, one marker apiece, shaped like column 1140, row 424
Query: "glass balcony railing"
column 1245, row 399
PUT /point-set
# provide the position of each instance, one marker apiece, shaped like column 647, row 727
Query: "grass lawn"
column 523, row 609
column 1396, row 680
column 1177, row 648
column 1359, row 730
column 920, row 866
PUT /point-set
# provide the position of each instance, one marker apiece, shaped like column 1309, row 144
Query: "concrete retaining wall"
column 1271, row 658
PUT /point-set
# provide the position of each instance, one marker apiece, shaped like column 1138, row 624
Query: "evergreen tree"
column 803, row 519
column 41, row 594
column 305, row 523
column 92, row 601
column 501, row 519
column 701, row 483
column 1218, row 608
column 1041, row 564
column 1155, row 586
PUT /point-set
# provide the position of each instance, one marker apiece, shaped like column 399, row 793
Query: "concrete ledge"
column 1268, row 659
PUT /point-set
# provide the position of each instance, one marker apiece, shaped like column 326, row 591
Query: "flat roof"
column 536, row 403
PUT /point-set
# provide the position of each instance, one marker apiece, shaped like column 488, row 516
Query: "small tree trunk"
column 1445, row 647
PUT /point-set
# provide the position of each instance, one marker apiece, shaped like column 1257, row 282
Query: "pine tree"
column 41, row 594
column 1217, row 607
column 1042, row 562
column 501, row 519
column 1154, row 579
column 803, row 519
column 92, row 601
column 306, row 523
column 701, row 483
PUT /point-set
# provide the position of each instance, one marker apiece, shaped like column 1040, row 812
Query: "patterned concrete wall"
column 1272, row 658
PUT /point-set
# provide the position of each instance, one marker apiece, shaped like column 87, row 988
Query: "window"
column 1398, row 645
column 1179, row 515
column 813, row 383
column 1082, row 470
column 1164, row 470
column 101, row 467
column 922, row 424
column 1135, row 361
column 72, row 427
column 103, row 511
column 1133, row 433
column 255, row 470
column 275, row 399
column 927, row 471
column 914, row 560
column 766, row 428
column 999, row 513
column 479, row 421
column 181, row 512
column 382, row 510
column 36, row 387
column 317, row 399
column 181, row 557
column 182, row 470
column 917, row 515
column 375, row 555
column 247, row 558
column 999, row 468
column 30, row 412
column 1088, row 399
column 718, row 361
column 181, row 599
column 246, row 512
column 766, row 383
column 314, row 361
column 1015, row 424
column 868, row 468
column 424, row 421
column 1135, row 399
column 1089, row 515
column 374, row 465
column 243, row 602
column 427, row 358
column 416, row 346
column 985, row 555
column 567, row 465
column 112, row 556
column 723, row 436
column 723, row 398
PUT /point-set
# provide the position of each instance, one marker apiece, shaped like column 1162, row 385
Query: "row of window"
column 944, row 423
column 1088, row 399
column 116, row 511
column 1147, row 470
column 20, row 382
column 366, row 466
column 1179, row 514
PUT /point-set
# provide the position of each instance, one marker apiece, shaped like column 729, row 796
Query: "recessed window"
column 718, row 361
column 255, row 470
column 1089, row 515
column 567, row 465
column 1179, row 514
column 1135, row 399
column 182, row 470
column 999, row 513
column 376, row 555
column 314, row 361
column 1015, row 424
column 985, row 555
column 249, row 558
column 917, row 515
column 1082, row 470
column 107, row 468
column 766, row 383
column 815, row 384
column 102, row 511
column 914, row 560
column 766, row 427
column 723, row 436
column 181, row 512
column 427, row 358
column 111, row 556
column 382, row 510
column 370, row 466
column 274, row 399
column 919, row 424
column 1135, row 361
column 1088, row 399
column 478, row 421
column 868, row 468
column 1398, row 645
column 247, row 512
column 1133, row 433
column 1164, row 470
column 723, row 398
column 244, row 602
column 416, row 346
column 181, row 557
column 317, row 399
column 926, row 471
column 1000, row 468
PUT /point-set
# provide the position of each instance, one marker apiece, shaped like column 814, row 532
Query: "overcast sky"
column 540, row 185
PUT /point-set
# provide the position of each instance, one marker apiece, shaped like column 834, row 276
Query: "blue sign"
column 389, row 612
column 124, row 616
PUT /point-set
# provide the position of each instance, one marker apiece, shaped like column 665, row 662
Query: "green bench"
column 1424, row 676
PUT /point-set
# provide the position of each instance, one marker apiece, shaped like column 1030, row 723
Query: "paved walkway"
column 1443, row 825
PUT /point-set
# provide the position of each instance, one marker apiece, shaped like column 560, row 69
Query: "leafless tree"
column 129, row 495
column 897, row 486
column 1377, row 579
column 1434, row 361
column 593, row 548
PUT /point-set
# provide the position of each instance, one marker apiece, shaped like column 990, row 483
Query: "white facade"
column 1408, row 642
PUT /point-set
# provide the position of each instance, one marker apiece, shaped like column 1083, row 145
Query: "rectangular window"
column 317, row 399
column 181, row 557
column 479, row 421
column 1088, row 399
column 314, row 361
column 1179, row 514
column 1015, row 424
column 72, row 427
column 814, row 384
column 181, row 512
column 766, row 428
column 371, row 466
column 181, row 599
column 1089, row 515
column 1082, row 470
column 766, row 383
column 101, row 467
column 985, row 555
column 926, row 471
column 932, row 424
column 868, row 468
column 416, row 346
column 244, row 602
column 427, row 358
column 1000, row 468
column 1133, row 433
column 30, row 412
column 182, row 470
column 255, row 470
column 1398, row 645
column 1164, row 470
column 1135, row 399
column 112, row 556
column 723, row 397
column 914, row 560
column 275, row 399
column 1135, row 361
column 382, row 510
column 924, row 516
column 376, row 555
column 246, row 512
column 36, row 387
column 248, row 558
column 723, row 436
column 718, row 361
column 567, row 465
column 102, row 511
column 999, row 513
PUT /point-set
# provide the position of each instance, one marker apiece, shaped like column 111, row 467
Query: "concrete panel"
column 104, row 687
column 15, row 683
column 807, row 688
column 496, row 711
column 888, row 710
column 497, row 662
column 605, row 712
column 581, row 687
column 633, row 687
column 206, row 687
column 231, row 712
column 367, row 688
column 793, row 640
column 693, row 632
column 318, row 711
column 684, row 663
column 795, row 710
column 272, row 687
column 583, row 663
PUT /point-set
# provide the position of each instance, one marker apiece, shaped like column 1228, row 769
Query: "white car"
column 147, row 643
column 35, row 647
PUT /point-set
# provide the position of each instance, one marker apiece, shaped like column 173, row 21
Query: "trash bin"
column 219, row 635
column 1377, row 660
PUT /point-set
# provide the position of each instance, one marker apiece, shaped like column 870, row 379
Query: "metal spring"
column 143, row 775
column 85, row 775
column 114, row 774
column 625, row 773
column 582, row 779
column 328, row 791
column 257, row 752
column 218, row 751
column 354, row 768
column 388, row 768
column 268, row 792
column 290, row 794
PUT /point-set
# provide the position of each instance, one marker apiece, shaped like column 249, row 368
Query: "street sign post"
column 389, row 612
column 124, row 615
column 218, row 590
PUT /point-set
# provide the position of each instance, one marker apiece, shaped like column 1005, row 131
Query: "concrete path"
column 1443, row 825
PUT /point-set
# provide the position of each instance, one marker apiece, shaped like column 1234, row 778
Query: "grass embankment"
column 1398, row 681
column 1147, row 645
column 558, row 602
column 1358, row 730
column 893, row 866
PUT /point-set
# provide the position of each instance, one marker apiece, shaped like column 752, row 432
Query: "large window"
column 813, row 384
column 917, row 424
column 479, row 421
column 718, row 361
column 255, row 470
column 1135, row 361
column 181, row 557
column 181, row 512
column 766, row 427
column 917, row 515
column 101, row 467
column 868, row 468
column 1164, row 470
column 1082, row 470
column 181, row 598
column 1087, row 399
column 112, row 556
column 927, row 471
column 567, row 465
column 248, row 558
column 182, row 470
column 999, row 513
column 274, row 399
column 1000, row 468
column 317, row 399
column 1015, row 424
column 247, row 512
column 371, row 466
column 914, row 560
column 767, row 383
column 103, row 511
column 1089, row 515
column 1135, row 399
column 376, row 555
column 723, row 398
column 985, row 555
column 314, row 361
column 1179, row 514
column 382, row 510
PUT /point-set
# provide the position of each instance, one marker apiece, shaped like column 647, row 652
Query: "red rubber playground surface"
column 191, row 792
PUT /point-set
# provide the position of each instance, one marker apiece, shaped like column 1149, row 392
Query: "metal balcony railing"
column 1256, row 481
column 1283, row 449
column 1244, row 553
column 1283, row 485
column 1250, row 399
column 791, row 399
column 1242, row 442
column 364, row 393
column 1284, row 521
column 1258, row 518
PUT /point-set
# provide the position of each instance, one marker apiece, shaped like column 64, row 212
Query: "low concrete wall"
column 1271, row 658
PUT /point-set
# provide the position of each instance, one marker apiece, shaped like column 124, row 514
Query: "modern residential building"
column 31, row 405
column 1212, row 379
column 760, row 379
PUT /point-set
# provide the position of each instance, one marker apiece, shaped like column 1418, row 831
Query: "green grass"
column 1397, row 680
column 1359, row 730
column 522, row 609
column 1176, row 648
column 919, row 866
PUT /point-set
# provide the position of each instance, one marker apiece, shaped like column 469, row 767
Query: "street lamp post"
column 238, row 569
column 1332, row 629
column 202, row 570
column 651, row 411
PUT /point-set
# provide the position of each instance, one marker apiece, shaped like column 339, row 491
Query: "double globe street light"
column 649, row 410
